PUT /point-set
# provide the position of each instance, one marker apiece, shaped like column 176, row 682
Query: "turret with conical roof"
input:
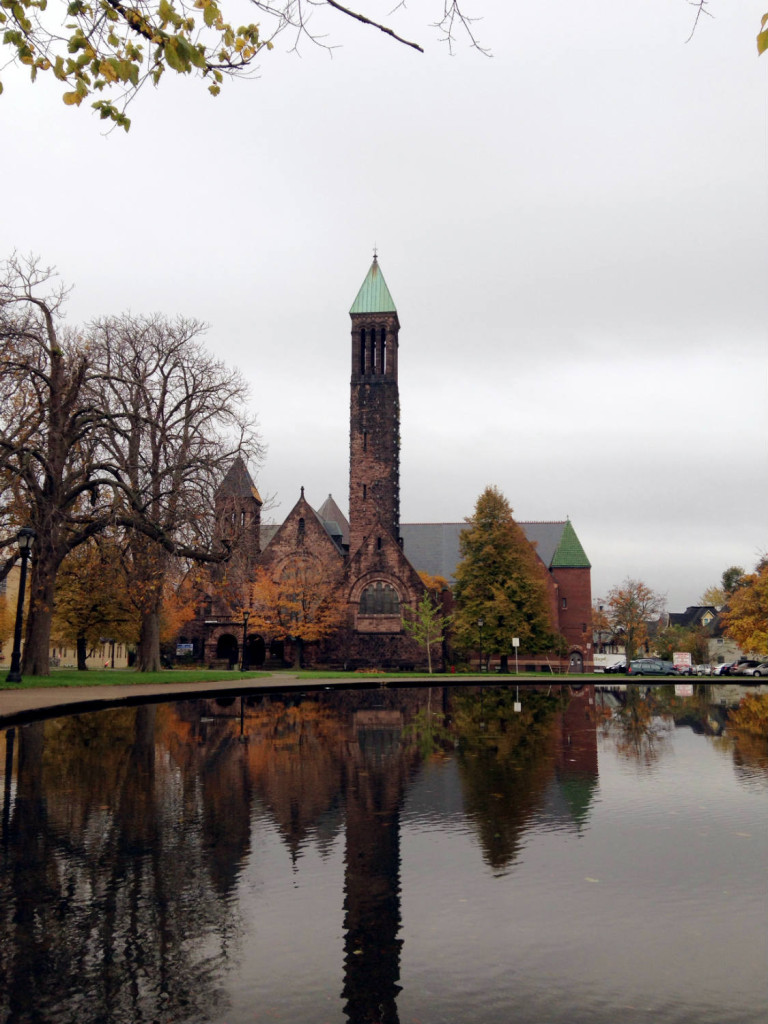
column 374, row 431
column 238, row 512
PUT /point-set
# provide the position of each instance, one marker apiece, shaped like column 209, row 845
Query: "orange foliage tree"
column 92, row 600
column 746, row 620
column 303, row 604
column 629, row 608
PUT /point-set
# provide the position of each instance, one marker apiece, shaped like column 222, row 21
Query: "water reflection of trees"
column 640, row 726
column 510, row 759
column 107, row 911
column 128, row 830
column 748, row 733
column 506, row 760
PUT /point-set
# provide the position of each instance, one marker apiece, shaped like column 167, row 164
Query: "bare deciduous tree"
column 50, row 467
column 130, row 427
column 177, row 419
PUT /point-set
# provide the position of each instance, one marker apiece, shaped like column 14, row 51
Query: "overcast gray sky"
column 573, row 231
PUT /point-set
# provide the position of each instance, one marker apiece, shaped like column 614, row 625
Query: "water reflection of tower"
column 576, row 756
column 376, row 776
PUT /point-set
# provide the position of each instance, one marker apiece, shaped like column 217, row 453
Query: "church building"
column 371, row 560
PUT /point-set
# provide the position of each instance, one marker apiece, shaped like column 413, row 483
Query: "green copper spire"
column 373, row 296
column 570, row 554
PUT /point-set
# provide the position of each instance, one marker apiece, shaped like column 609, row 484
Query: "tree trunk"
column 82, row 654
column 504, row 666
column 37, row 643
column 148, row 655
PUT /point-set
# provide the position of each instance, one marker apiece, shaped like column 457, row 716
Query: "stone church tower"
column 374, row 428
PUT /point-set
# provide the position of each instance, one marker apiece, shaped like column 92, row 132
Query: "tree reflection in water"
column 126, row 833
column 639, row 726
column 99, row 921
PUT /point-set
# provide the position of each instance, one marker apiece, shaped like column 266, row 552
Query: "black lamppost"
column 24, row 539
column 244, row 666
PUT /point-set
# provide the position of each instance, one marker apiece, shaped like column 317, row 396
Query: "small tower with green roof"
column 374, row 430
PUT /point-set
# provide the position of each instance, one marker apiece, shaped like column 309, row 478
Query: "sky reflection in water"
column 386, row 856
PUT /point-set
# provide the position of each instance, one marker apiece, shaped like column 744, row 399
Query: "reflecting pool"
column 441, row 854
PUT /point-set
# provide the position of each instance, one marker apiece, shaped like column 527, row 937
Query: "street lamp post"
column 24, row 539
column 244, row 666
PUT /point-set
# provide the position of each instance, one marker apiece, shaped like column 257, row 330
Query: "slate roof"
column 237, row 482
column 434, row 547
column 373, row 296
column 334, row 519
column 693, row 616
column 266, row 532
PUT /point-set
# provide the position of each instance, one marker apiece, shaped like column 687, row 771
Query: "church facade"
column 371, row 560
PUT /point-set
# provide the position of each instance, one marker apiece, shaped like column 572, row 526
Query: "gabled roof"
column 373, row 296
column 695, row 615
column 434, row 547
column 335, row 521
column 237, row 483
column 269, row 533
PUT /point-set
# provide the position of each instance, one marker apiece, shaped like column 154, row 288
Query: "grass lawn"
column 127, row 677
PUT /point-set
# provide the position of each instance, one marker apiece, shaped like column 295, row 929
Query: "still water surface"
column 412, row 856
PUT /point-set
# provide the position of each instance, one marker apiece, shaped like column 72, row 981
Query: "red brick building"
column 373, row 560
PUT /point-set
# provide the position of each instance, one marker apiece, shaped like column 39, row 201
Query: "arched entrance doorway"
column 576, row 663
column 257, row 651
column 226, row 648
column 277, row 650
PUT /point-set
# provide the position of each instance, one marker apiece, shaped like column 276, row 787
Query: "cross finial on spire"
column 375, row 253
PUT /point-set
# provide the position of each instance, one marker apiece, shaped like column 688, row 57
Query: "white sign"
column 682, row 659
column 683, row 689
column 515, row 641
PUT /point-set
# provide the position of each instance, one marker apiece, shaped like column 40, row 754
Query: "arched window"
column 379, row 599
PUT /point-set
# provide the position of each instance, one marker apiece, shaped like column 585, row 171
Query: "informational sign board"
column 682, row 660
column 182, row 649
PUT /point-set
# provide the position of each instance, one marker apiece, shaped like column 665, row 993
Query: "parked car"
column 648, row 667
column 754, row 668
column 724, row 669
column 702, row 670
column 618, row 666
column 743, row 667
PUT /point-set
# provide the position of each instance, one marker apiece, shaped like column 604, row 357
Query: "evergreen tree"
column 501, row 588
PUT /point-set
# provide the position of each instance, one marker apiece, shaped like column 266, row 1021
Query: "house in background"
column 720, row 647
